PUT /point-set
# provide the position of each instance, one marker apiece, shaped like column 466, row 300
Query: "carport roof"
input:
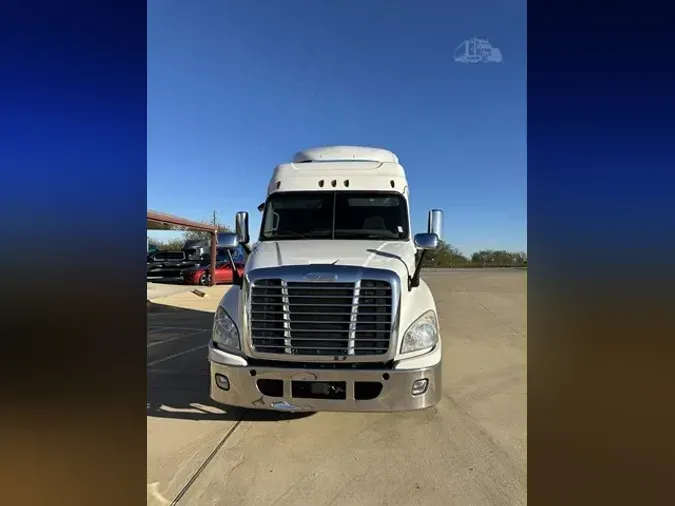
column 163, row 221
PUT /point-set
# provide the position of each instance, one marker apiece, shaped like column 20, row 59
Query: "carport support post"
column 212, row 268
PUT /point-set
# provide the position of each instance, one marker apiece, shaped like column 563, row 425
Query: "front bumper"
column 395, row 395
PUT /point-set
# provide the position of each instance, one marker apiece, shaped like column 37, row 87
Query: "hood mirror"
column 426, row 241
column 241, row 220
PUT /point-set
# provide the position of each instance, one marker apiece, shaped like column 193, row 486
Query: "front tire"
column 205, row 279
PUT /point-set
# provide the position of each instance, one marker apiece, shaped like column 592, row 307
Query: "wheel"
column 205, row 279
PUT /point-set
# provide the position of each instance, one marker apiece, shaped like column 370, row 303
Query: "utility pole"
column 214, row 253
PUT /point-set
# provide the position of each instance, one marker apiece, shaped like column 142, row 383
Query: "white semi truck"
column 331, row 313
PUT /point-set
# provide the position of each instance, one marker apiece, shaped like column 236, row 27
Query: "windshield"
column 335, row 215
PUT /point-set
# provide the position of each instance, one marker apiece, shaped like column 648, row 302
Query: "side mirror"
column 435, row 225
column 241, row 220
column 426, row 241
column 228, row 240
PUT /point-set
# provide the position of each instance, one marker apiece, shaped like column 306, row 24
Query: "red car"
column 202, row 276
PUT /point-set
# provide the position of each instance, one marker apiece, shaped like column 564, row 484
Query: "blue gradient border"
column 72, row 198
column 600, row 163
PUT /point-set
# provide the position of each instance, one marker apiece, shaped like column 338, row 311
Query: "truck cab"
column 195, row 249
column 330, row 313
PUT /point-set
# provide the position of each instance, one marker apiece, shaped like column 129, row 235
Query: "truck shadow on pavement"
column 178, row 370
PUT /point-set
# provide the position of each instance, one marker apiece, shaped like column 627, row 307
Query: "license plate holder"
column 319, row 389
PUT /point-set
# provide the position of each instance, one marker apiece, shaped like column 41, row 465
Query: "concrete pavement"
column 469, row 449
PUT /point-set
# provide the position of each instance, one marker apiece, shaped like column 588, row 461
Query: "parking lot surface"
column 469, row 449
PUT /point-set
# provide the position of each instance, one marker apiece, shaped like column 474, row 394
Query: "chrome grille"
column 321, row 319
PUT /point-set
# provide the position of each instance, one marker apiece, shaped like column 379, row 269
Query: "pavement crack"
column 495, row 447
column 206, row 462
column 505, row 323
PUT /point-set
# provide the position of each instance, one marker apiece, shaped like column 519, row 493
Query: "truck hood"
column 396, row 256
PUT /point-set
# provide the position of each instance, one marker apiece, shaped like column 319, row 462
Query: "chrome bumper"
column 396, row 393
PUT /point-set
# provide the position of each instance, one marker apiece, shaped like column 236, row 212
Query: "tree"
column 445, row 256
column 198, row 234
column 169, row 245
column 178, row 243
column 498, row 258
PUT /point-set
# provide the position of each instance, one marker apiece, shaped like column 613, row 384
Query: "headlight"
column 225, row 331
column 421, row 334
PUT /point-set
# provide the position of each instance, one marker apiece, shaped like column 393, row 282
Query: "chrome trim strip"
column 353, row 319
column 286, row 317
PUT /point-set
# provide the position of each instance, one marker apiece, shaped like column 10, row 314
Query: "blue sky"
column 235, row 88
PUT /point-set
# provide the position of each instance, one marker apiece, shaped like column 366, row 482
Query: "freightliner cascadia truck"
column 330, row 313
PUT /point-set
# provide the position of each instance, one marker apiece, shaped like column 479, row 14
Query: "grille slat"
column 295, row 348
column 309, row 304
column 329, row 331
column 335, row 338
column 320, row 313
column 319, row 318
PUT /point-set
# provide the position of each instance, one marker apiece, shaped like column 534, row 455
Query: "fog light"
column 419, row 387
column 222, row 382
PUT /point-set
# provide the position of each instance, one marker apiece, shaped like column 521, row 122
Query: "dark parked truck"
column 330, row 313
column 195, row 254
column 197, row 249
column 165, row 264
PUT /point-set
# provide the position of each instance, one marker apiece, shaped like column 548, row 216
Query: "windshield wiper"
column 282, row 233
column 367, row 234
